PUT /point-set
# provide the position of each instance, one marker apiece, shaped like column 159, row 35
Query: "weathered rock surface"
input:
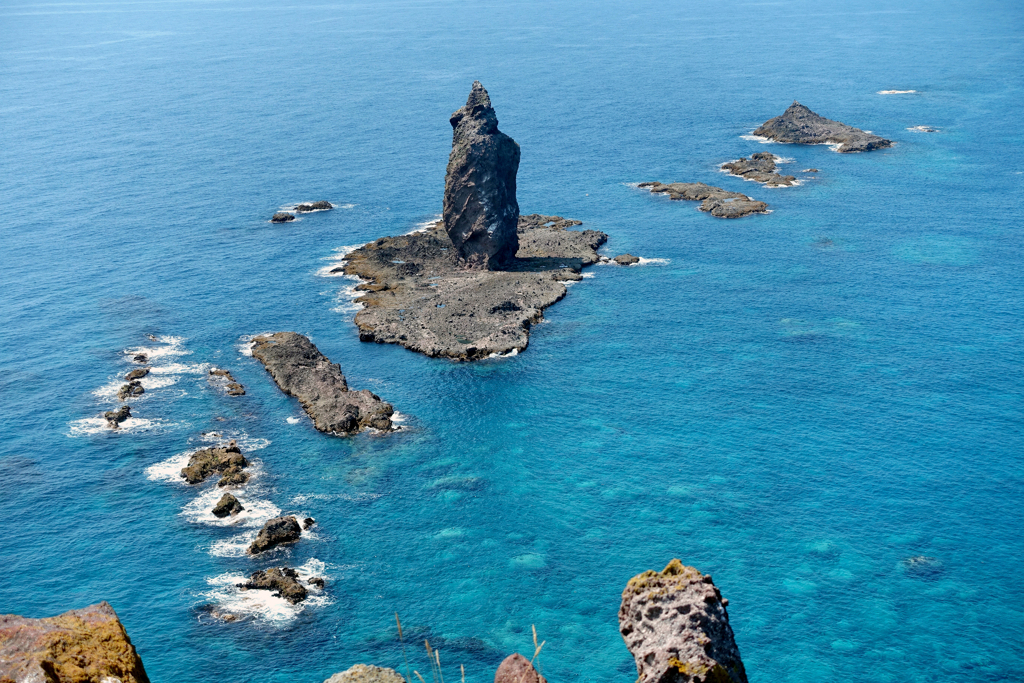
column 314, row 206
column 714, row 200
column 308, row 522
column 227, row 460
column 227, row 505
column 626, row 259
column 480, row 210
column 275, row 532
column 517, row 669
column 760, row 167
column 282, row 217
column 676, row 627
column 300, row 370
column 363, row 673
column 133, row 388
column 419, row 296
column 232, row 386
column 114, row 418
column 282, row 580
column 137, row 373
column 140, row 358
column 86, row 645
column 802, row 126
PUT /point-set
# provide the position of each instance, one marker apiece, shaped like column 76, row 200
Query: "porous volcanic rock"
column 419, row 296
column 231, row 386
column 517, row 669
column 364, row 673
column 275, row 532
column 714, row 200
column 480, row 210
column 626, row 259
column 314, row 206
column 282, row 217
column 760, row 167
column 300, row 370
column 133, row 388
column 282, row 580
column 227, row 460
column 137, row 373
column 114, row 418
column 800, row 125
column 227, row 505
column 676, row 627
column 80, row 646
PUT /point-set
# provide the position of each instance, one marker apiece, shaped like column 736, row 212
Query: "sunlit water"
column 795, row 403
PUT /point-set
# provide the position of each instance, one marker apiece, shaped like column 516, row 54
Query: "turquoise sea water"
column 795, row 403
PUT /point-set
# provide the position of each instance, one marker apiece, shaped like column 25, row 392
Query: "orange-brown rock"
column 86, row 645
column 517, row 669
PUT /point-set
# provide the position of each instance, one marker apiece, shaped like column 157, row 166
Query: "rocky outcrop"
column 275, row 532
column 114, row 418
column 626, row 259
column 227, row 505
column 314, row 206
column 419, row 296
column 140, row 358
column 760, row 167
column 308, row 522
column 517, row 669
column 81, row 646
column 133, row 388
column 714, row 200
column 676, row 627
column 282, row 580
column 300, row 370
column 480, row 209
column 137, row 373
column 363, row 673
column 227, row 460
column 282, row 217
column 802, row 126
column 231, row 386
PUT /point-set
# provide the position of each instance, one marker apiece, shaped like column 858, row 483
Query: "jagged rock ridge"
column 801, row 125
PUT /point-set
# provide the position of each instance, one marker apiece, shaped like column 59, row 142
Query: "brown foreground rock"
column 363, row 673
column 676, row 627
column 418, row 294
column 714, row 200
column 275, row 532
column 226, row 460
column 282, row 580
column 300, row 370
column 87, row 645
column 517, row 669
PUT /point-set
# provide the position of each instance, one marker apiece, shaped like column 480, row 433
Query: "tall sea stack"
column 480, row 209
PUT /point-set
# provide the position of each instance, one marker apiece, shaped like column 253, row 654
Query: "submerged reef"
column 802, row 126
column 714, row 200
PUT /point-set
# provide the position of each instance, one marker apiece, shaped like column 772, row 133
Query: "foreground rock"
column 137, row 373
column 760, row 167
column 282, row 580
column 81, row 646
column 232, row 386
column 227, row 460
column 114, row 418
column 714, row 200
column 275, row 532
column 133, row 388
column 300, row 370
column 517, row 669
column 801, row 125
column 626, row 259
column 363, row 673
column 480, row 210
column 419, row 296
column 227, row 505
column 676, row 627
column 282, row 217
column 315, row 206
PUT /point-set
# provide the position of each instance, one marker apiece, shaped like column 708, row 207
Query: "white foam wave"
column 347, row 206
column 398, row 418
column 783, row 160
column 245, row 442
column 336, row 260
column 425, row 225
column 255, row 513
column 652, row 261
column 245, row 342
column 180, row 369
column 345, row 299
column 896, row 92
column 923, row 129
column 293, row 420
column 264, row 605
column 304, row 498
column 757, row 138
column 171, row 347
column 95, row 425
column 587, row 276
column 513, row 352
column 169, row 469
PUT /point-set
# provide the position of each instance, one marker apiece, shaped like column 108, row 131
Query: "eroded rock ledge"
column 802, row 126
column 420, row 296
column 714, row 200
column 760, row 167
column 300, row 370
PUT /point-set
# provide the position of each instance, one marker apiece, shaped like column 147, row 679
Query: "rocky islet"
column 227, row 461
column 714, row 200
column 800, row 125
column 277, row 531
column 760, row 167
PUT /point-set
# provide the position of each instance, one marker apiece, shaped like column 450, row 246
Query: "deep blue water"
column 795, row 403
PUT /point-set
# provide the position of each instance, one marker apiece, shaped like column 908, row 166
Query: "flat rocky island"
column 714, row 200
column 760, row 167
column 472, row 284
column 800, row 125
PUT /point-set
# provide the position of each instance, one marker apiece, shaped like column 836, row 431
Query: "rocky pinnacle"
column 480, row 209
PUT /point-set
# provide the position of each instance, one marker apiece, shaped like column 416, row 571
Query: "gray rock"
column 676, row 627
column 300, row 370
column 626, row 259
column 226, row 460
column 714, row 200
column 517, row 669
column 137, row 373
column 282, row 217
column 363, row 673
column 133, row 388
column 282, row 580
column 140, row 358
column 308, row 522
column 275, row 532
column 480, row 209
column 315, row 206
column 227, row 505
column 419, row 296
column 760, row 167
column 801, row 125
column 114, row 418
